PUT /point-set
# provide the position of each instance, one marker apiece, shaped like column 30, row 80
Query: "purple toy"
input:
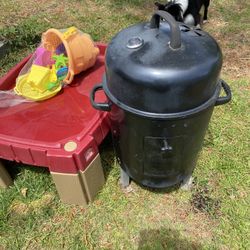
column 61, row 49
column 43, row 57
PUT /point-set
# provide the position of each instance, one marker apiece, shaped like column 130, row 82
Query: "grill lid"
column 162, row 66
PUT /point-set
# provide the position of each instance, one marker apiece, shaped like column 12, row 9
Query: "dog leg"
column 205, row 15
column 206, row 10
column 200, row 22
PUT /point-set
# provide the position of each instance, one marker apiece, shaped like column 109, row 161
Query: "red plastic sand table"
column 61, row 133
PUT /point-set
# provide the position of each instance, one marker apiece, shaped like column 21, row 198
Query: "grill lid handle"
column 224, row 99
column 96, row 105
column 175, row 35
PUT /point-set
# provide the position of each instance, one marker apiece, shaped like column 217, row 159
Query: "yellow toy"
column 38, row 77
column 35, row 85
column 53, row 77
column 69, row 32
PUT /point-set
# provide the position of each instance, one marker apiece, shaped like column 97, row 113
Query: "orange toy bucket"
column 80, row 49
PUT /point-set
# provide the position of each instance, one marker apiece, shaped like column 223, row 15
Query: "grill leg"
column 187, row 183
column 124, row 179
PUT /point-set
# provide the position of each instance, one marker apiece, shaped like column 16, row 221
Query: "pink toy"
column 43, row 57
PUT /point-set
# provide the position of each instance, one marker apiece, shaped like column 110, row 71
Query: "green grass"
column 31, row 214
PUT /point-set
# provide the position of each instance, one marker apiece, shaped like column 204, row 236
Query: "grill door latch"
column 166, row 147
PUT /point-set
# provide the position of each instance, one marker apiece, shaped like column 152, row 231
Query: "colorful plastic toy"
column 60, row 49
column 43, row 57
column 80, row 49
column 69, row 32
column 52, row 85
column 62, row 72
column 39, row 84
column 38, row 77
column 53, row 74
column 61, row 55
column 61, row 61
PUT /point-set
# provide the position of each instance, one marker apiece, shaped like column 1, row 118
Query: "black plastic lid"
column 162, row 66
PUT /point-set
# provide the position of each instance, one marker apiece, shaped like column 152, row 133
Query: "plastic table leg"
column 82, row 187
column 5, row 179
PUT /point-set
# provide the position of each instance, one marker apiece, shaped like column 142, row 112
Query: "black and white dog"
column 187, row 11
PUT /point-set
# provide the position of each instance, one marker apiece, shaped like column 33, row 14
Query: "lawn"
column 213, row 215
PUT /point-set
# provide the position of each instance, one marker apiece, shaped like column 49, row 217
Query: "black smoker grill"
column 162, row 83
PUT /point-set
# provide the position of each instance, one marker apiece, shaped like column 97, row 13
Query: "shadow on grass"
column 209, row 138
column 107, row 155
column 15, row 168
column 160, row 190
column 165, row 238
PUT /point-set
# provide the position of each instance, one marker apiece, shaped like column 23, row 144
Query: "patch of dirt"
column 162, row 238
column 45, row 201
column 174, row 209
column 198, row 226
column 19, row 208
column 202, row 201
column 234, row 45
column 236, row 59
